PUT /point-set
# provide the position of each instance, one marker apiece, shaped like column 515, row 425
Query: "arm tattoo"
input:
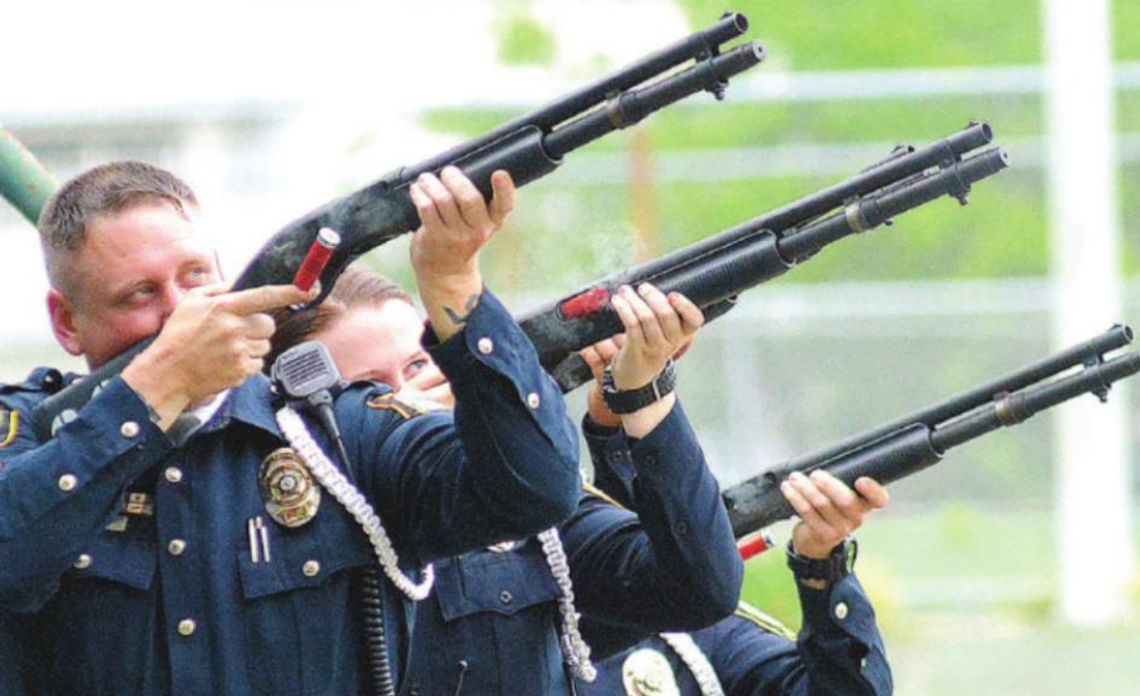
column 469, row 306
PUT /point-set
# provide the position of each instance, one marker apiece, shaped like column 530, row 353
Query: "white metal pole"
column 1092, row 494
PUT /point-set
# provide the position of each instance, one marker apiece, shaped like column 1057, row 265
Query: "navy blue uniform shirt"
column 134, row 558
column 839, row 650
column 492, row 624
column 750, row 656
column 16, row 404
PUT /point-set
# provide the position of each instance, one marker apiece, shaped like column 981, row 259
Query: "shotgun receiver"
column 529, row 147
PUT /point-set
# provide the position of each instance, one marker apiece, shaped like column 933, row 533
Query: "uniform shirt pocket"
column 501, row 582
column 298, row 605
column 104, row 595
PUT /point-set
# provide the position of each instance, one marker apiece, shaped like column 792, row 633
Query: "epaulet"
column 599, row 493
column 41, row 379
column 763, row 621
column 9, row 425
column 403, row 406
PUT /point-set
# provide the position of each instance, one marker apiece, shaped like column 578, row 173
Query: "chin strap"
column 575, row 651
column 335, row 483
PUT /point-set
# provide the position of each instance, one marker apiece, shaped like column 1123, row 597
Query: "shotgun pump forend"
column 919, row 440
column 528, row 147
column 713, row 271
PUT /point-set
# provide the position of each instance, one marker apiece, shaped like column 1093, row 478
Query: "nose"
column 172, row 295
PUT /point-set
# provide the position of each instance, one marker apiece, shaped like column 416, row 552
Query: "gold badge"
column 646, row 672
column 291, row 496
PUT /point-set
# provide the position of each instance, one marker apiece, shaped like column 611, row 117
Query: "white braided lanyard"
column 575, row 651
column 347, row 495
column 695, row 659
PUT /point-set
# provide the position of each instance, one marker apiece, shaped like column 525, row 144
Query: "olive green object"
column 23, row 180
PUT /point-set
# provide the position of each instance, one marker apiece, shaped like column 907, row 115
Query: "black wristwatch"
column 630, row 400
column 829, row 570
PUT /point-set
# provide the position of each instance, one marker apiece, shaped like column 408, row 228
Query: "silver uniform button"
column 83, row 562
column 176, row 547
column 187, row 627
column 532, row 400
column 68, row 482
column 173, row 474
column 485, row 345
column 841, row 611
column 311, row 568
column 129, row 429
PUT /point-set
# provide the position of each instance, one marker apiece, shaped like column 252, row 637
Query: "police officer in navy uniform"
column 497, row 620
column 166, row 555
column 839, row 650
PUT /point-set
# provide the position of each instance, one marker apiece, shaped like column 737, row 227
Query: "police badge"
column 291, row 497
column 646, row 672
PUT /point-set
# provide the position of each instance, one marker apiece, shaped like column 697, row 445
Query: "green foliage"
column 841, row 35
column 1125, row 39
column 523, row 40
column 768, row 586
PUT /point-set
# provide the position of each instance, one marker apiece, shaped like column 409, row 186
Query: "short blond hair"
column 104, row 190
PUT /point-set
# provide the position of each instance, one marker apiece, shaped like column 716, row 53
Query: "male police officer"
column 165, row 554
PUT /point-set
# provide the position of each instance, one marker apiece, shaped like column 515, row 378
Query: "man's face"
column 383, row 344
column 132, row 270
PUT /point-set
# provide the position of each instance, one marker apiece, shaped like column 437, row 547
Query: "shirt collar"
column 251, row 403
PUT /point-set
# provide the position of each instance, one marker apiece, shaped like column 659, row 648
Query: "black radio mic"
column 306, row 373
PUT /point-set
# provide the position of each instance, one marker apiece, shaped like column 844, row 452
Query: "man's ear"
column 62, row 316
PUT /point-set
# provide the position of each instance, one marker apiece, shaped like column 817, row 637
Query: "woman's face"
column 383, row 344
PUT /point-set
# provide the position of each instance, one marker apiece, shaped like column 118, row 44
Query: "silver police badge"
column 646, row 672
column 291, row 496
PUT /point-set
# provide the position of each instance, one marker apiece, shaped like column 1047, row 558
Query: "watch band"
column 629, row 400
column 829, row 570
